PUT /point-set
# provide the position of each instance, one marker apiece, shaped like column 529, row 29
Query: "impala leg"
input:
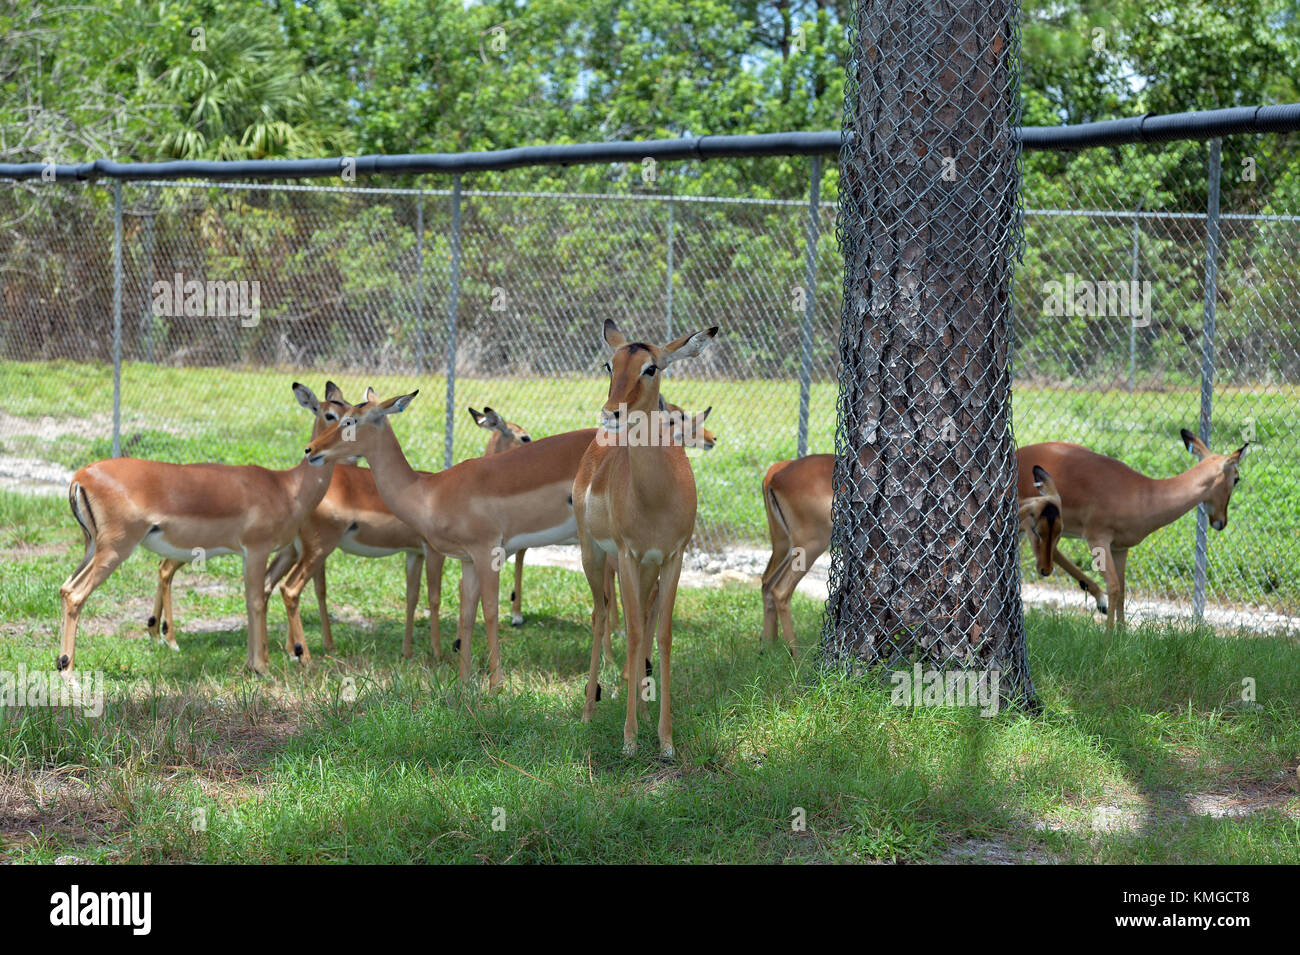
column 596, row 566
column 305, row 568
column 490, row 594
column 638, row 654
column 258, row 660
column 469, row 597
column 611, row 605
column 326, row 636
column 780, row 538
column 669, row 574
column 1108, row 571
column 283, row 561
column 414, row 567
column 73, row 594
column 517, row 595
column 1121, row 561
column 162, row 605
column 1085, row 582
column 782, row 591
column 433, row 566
column 629, row 573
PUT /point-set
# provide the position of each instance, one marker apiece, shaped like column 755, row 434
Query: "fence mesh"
column 923, row 567
column 353, row 282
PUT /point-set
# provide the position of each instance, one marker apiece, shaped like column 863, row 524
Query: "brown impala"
column 1114, row 508
column 797, row 498
column 184, row 511
column 634, row 501
column 479, row 511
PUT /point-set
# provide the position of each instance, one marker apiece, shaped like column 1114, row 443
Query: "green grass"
column 244, row 417
column 192, row 760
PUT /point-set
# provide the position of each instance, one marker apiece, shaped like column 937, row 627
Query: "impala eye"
column 650, row 371
column 330, row 416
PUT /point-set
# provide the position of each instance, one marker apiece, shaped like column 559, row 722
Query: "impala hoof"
column 517, row 620
column 667, row 752
column 629, row 747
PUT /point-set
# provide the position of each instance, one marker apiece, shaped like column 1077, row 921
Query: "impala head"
column 354, row 434
column 328, row 411
column 1224, row 467
column 634, row 372
column 1040, row 520
column 504, row 434
column 689, row 430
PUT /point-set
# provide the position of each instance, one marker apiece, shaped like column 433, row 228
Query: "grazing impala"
column 480, row 511
column 1114, row 508
column 182, row 511
column 797, row 498
column 634, row 501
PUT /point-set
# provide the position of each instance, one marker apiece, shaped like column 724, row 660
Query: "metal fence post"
column 809, row 303
column 420, row 330
column 1207, row 360
column 452, row 307
column 117, row 317
column 1132, row 319
column 668, row 313
column 146, row 312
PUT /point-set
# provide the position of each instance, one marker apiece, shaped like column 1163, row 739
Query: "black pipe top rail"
column 1210, row 124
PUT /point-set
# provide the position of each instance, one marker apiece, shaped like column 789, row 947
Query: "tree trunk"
column 924, row 553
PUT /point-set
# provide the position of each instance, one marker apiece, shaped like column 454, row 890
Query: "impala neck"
column 309, row 483
column 1170, row 498
column 395, row 479
column 649, row 474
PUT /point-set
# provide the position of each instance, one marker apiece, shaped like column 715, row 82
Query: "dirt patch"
column 48, row 428
column 33, row 476
column 994, row 852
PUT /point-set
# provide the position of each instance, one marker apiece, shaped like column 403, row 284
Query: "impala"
column 479, row 511
column 183, row 511
column 797, row 498
column 634, row 501
column 1114, row 508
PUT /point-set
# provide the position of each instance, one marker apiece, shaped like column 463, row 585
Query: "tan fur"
column 1115, row 508
column 797, row 498
column 642, row 498
column 471, row 511
column 248, row 510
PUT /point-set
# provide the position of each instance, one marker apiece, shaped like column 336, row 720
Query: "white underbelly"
column 158, row 544
column 566, row 533
column 350, row 546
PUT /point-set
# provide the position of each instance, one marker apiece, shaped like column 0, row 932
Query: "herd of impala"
column 624, row 491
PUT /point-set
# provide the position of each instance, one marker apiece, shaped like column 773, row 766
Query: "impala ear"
column 306, row 397
column 334, row 393
column 1237, row 455
column 371, row 395
column 688, row 346
column 612, row 336
column 394, row 405
column 480, row 418
column 1193, row 444
column 1044, row 483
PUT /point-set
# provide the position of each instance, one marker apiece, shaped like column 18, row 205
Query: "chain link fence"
column 360, row 282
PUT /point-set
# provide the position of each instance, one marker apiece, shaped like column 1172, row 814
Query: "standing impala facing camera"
column 634, row 501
